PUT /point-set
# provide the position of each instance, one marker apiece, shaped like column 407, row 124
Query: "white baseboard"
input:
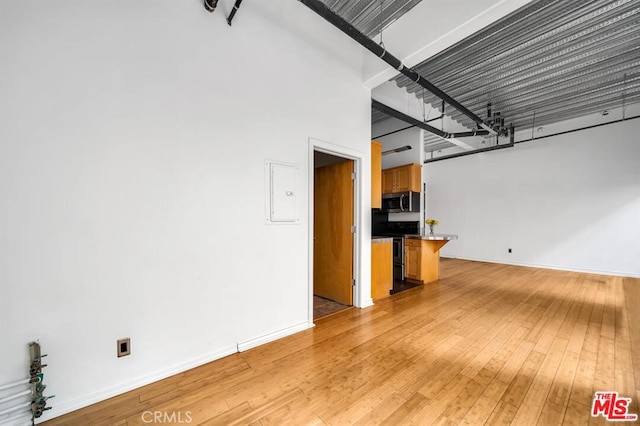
column 547, row 266
column 270, row 337
column 101, row 395
column 366, row 304
column 76, row 404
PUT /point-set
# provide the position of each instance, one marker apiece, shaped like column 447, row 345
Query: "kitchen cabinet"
column 422, row 257
column 381, row 267
column 402, row 179
column 412, row 259
column 376, row 175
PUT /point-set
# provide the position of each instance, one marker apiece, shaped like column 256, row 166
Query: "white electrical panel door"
column 283, row 193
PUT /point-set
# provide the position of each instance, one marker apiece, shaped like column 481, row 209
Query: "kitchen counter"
column 433, row 237
column 375, row 239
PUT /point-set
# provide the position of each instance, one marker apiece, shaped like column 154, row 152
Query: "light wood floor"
column 487, row 344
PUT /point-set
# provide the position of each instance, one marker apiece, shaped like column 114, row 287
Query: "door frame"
column 358, row 159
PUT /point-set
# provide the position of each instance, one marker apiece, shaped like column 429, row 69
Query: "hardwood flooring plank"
column 623, row 357
column 229, row 416
column 486, row 344
column 631, row 288
column 530, row 410
column 519, row 386
column 577, row 414
column 383, row 410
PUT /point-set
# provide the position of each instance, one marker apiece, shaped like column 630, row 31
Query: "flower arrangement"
column 432, row 223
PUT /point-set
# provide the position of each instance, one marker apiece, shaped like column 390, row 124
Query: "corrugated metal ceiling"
column 559, row 59
column 369, row 17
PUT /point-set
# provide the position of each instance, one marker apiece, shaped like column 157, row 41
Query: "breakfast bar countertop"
column 433, row 237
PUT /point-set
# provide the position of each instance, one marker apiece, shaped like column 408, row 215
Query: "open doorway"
column 333, row 243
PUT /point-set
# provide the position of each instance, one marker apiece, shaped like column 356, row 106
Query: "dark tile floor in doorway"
column 323, row 307
column 400, row 285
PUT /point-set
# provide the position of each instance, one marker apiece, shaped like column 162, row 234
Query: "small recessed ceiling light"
column 539, row 129
column 605, row 112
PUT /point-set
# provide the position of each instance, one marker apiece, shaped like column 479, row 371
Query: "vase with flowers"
column 432, row 223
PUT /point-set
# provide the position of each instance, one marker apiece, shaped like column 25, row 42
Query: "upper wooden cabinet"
column 402, row 178
column 376, row 175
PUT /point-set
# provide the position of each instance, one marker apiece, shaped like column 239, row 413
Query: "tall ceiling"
column 557, row 59
column 370, row 16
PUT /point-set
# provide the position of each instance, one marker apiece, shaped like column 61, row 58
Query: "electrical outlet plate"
column 124, row 347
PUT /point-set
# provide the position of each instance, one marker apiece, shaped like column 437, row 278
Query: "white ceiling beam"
column 430, row 27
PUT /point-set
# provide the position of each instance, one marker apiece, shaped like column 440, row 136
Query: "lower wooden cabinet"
column 422, row 259
column 381, row 268
column 412, row 260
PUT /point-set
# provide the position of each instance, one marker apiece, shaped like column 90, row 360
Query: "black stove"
column 396, row 229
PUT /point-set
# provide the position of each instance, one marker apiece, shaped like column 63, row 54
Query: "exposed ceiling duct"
column 390, row 112
column 321, row 9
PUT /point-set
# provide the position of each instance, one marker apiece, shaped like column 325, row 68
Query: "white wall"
column 567, row 202
column 133, row 137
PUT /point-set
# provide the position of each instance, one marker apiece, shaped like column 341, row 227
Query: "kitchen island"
column 422, row 256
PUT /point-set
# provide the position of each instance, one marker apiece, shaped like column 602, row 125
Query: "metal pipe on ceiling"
column 336, row 20
column 417, row 123
column 465, row 153
column 394, row 132
column 512, row 143
column 236, row 6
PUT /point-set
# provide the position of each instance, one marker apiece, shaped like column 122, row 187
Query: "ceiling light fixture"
column 400, row 149
column 605, row 112
column 539, row 129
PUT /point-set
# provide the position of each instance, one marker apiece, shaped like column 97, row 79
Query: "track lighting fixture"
column 393, row 151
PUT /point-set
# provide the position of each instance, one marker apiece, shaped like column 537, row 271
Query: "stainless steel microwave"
column 401, row 202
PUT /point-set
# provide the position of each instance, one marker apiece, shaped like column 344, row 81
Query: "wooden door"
column 333, row 240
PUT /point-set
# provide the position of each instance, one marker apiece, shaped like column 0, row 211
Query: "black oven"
column 398, row 258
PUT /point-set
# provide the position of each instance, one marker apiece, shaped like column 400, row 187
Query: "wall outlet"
column 509, row 250
column 124, row 347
